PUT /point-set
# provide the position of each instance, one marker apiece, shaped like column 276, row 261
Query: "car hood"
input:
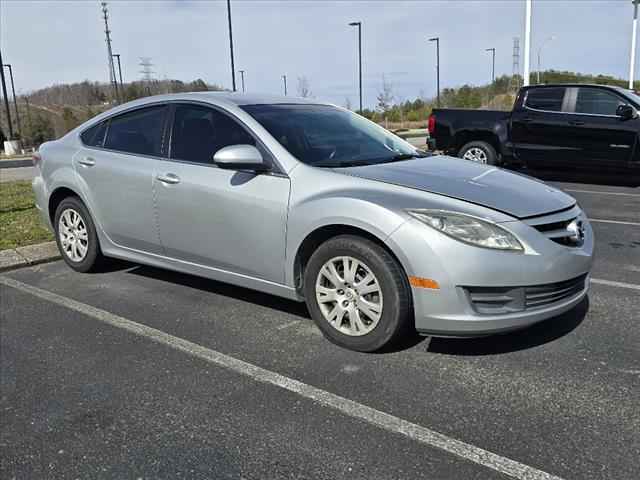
column 492, row 187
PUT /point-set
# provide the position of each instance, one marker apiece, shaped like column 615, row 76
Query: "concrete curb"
column 16, row 163
column 30, row 255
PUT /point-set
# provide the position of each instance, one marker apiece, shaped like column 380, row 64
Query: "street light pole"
column 117, row 55
column 437, row 40
column 284, row 79
column 359, row 25
column 493, row 64
column 233, row 68
column 548, row 39
column 15, row 101
column 242, row 79
column 6, row 100
column 527, row 44
column 632, row 60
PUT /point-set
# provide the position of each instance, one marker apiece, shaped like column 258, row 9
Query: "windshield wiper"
column 407, row 156
column 345, row 164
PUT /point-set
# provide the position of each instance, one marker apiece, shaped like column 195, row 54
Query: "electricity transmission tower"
column 147, row 72
column 515, row 72
column 107, row 32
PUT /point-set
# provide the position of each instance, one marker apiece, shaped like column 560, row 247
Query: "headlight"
column 468, row 229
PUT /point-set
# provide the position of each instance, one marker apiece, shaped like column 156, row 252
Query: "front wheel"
column 480, row 152
column 357, row 294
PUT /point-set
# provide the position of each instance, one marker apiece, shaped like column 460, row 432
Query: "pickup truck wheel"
column 481, row 152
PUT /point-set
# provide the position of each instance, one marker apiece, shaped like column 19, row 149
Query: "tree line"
column 50, row 112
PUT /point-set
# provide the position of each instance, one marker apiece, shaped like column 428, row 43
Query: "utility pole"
column 112, row 71
column 242, row 79
column 359, row 25
column 117, row 55
column 548, row 39
column 527, row 43
column 515, row 70
column 6, row 100
column 15, row 100
column 437, row 40
column 634, row 32
column 284, row 79
column 147, row 72
column 233, row 68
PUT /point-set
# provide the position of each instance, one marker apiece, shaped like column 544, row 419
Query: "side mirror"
column 626, row 112
column 240, row 157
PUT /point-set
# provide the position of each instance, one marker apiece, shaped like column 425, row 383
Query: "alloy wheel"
column 73, row 235
column 475, row 154
column 349, row 296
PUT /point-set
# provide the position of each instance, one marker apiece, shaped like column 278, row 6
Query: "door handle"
column 169, row 178
column 528, row 120
column 87, row 161
column 576, row 123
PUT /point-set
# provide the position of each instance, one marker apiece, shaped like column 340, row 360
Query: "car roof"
column 234, row 98
column 601, row 85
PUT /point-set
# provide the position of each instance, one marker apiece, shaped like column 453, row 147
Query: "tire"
column 91, row 258
column 390, row 306
column 481, row 152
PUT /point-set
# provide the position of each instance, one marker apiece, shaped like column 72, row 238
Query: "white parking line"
column 618, row 222
column 611, row 283
column 348, row 407
column 622, row 194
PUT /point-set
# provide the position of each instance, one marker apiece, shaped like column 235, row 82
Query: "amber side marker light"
column 424, row 283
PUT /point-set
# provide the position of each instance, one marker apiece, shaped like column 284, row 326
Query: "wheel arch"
column 320, row 235
column 57, row 196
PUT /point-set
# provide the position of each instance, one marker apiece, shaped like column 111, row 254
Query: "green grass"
column 20, row 222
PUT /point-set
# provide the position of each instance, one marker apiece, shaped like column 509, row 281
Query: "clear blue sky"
column 56, row 41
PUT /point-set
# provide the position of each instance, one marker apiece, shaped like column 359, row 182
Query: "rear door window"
column 548, row 99
column 94, row 136
column 138, row 132
column 596, row 101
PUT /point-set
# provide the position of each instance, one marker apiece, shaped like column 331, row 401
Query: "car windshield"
column 630, row 94
column 326, row 136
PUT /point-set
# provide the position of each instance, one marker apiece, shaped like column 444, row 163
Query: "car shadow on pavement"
column 218, row 288
column 536, row 335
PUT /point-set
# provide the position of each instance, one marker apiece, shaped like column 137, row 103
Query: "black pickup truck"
column 585, row 128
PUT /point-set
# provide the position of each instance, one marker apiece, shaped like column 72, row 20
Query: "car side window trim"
column 277, row 168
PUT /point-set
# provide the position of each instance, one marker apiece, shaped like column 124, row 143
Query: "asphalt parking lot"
column 142, row 373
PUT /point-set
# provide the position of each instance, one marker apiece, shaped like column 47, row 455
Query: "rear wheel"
column 480, row 152
column 76, row 236
column 357, row 294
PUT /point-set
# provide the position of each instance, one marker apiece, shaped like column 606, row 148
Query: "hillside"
column 52, row 111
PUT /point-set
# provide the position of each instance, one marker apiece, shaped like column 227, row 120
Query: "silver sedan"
column 314, row 203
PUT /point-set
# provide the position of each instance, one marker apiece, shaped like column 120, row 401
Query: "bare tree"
column 304, row 89
column 385, row 98
column 347, row 104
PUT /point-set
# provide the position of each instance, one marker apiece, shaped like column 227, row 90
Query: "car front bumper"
column 561, row 273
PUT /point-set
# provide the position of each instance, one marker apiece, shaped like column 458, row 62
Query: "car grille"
column 557, row 232
column 499, row 300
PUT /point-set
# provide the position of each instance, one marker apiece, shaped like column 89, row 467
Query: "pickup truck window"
column 549, row 99
column 595, row 101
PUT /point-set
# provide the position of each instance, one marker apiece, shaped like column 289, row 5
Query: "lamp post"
column 242, row 79
column 233, row 70
column 15, row 100
column 437, row 40
column 527, row 44
column 634, row 31
column 359, row 25
column 547, row 40
column 284, row 79
column 6, row 99
column 493, row 64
